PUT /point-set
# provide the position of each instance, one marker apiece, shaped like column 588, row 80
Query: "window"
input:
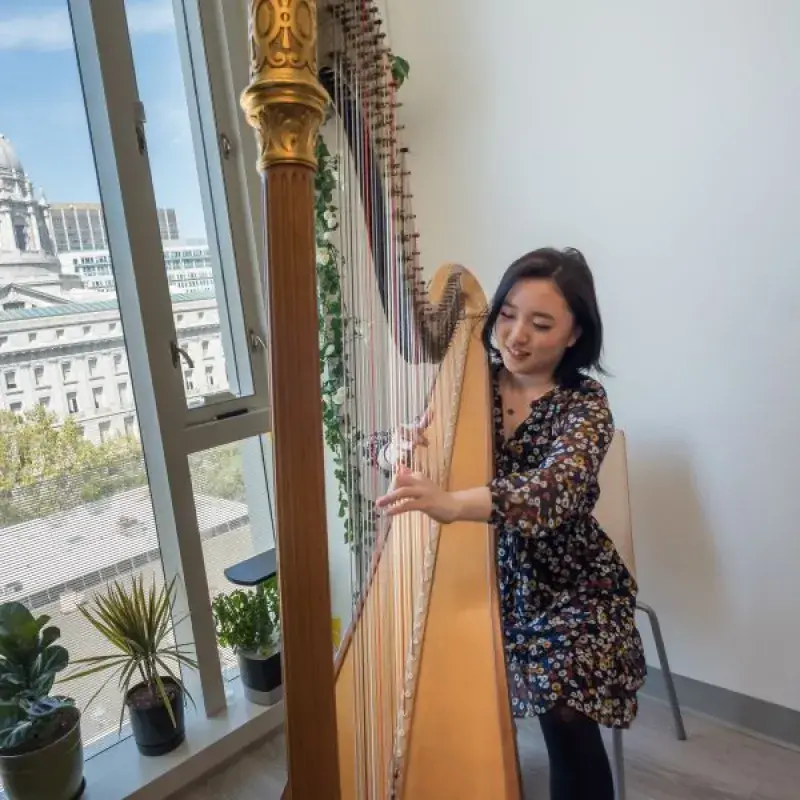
column 204, row 346
column 123, row 509
column 13, row 305
column 16, row 408
column 11, row 379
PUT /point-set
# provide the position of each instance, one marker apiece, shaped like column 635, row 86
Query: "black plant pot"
column 153, row 729
column 261, row 677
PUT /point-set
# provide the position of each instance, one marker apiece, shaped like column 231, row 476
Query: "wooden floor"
column 716, row 763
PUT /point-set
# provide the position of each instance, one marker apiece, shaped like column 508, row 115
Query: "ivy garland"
column 333, row 323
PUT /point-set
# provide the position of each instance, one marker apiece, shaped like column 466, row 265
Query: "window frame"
column 170, row 430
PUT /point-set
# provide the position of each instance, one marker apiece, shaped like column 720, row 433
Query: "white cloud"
column 51, row 30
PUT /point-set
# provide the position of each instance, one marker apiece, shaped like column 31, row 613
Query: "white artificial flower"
column 323, row 257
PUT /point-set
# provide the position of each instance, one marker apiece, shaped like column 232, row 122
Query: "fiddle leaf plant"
column 138, row 623
column 29, row 662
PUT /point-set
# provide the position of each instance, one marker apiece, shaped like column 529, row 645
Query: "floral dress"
column 567, row 599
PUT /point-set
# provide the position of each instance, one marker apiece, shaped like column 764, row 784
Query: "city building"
column 61, row 338
column 80, row 226
column 188, row 267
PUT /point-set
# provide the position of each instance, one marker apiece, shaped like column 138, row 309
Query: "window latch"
column 178, row 353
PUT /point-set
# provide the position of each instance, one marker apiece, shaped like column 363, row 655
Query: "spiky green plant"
column 138, row 623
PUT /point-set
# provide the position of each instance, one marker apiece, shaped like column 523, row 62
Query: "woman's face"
column 534, row 328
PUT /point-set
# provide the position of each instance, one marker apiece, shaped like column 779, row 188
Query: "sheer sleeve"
column 376, row 451
column 538, row 501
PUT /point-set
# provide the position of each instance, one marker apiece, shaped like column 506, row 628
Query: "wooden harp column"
column 285, row 104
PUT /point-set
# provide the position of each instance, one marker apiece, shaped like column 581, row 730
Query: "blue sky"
column 42, row 110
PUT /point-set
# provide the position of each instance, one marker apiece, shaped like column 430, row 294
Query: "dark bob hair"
column 571, row 274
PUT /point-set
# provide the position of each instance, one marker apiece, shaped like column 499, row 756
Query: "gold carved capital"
column 285, row 101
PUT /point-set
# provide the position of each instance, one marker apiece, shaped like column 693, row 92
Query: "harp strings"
column 382, row 297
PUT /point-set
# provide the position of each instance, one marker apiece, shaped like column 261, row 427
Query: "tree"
column 47, row 466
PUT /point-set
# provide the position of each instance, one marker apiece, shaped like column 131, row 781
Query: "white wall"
column 663, row 139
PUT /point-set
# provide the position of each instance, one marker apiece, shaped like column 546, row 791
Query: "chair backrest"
column 613, row 509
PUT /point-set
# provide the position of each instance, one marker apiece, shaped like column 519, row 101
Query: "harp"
column 414, row 701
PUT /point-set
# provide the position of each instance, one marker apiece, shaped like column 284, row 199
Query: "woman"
column 573, row 653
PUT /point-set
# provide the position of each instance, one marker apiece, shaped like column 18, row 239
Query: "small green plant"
column 29, row 662
column 249, row 621
column 138, row 623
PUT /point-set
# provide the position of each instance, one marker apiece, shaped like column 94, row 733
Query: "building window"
column 72, row 402
column 188, row 377
column 44, row 401
column 118, row 363
column 105, row 431
column 92, row 367
column 31, row 337
column 38, row 375
column 210, row 376
column 59, row 333
column 200, row 315
column 87, row 329
column 204, row 345
column 11, row 379
column 123, row 394
column 3, row 341
column 130, row 426
column 66, row 370
column 13, row 305
column 112, row 326
column 16, row 408
column 179, row 318
column 97, row 396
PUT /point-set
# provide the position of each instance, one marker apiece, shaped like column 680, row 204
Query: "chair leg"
column 680, row 730
column 619, row 764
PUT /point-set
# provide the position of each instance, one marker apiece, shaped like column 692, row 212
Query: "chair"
column 613, row 512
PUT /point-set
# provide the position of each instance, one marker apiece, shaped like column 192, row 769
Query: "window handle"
column 256, row 342
column 178, row 353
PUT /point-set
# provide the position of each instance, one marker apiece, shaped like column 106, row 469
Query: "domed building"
column 30, row 272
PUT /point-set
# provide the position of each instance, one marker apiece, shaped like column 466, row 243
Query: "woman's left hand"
column 413, row 491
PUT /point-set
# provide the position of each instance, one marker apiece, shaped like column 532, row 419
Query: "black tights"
column 579, row 767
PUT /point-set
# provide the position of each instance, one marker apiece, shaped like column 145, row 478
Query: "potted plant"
column 249, row 623
column 138, row 623
column 41, row 754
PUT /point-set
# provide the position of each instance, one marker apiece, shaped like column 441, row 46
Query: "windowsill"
column 121, row 773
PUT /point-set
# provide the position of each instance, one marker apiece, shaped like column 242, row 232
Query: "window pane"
column 232, row 495
column 75, row 505
column 202, row 291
